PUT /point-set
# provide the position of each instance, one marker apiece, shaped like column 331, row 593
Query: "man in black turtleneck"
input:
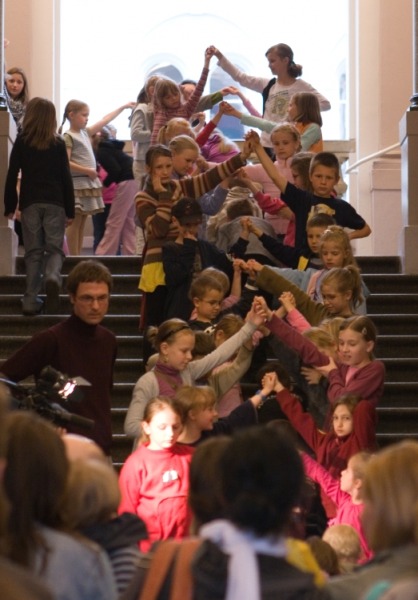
column 78, row 347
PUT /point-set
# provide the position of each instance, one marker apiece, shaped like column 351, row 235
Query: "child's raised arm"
column 92, row 129
column 266, row 162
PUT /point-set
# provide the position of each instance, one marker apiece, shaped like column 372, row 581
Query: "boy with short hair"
column 324, row 175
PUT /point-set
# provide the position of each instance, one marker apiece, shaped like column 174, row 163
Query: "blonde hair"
column 74, row 106
column 230, row 324
column 93, row 494
column 189, row 398
column 153, row 407
column 174, row 127
column 182, row 142
column 390, row 492
column 321, row 338
column 332, row 326
column 336, row 234
column 287, row 128
column 221, row 277
column 346, row 542
column 345, row 279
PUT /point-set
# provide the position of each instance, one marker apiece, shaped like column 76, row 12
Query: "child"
column 290, row 256
column 352, row 430
column 174, row 342
column 167, row 99
column 184, row 257
column 345, row 492
column 346, row 542
column 303, row 111
column 17, row 94
column 324, row 175
column 340, row 288
column 200, row 415
column 46, row 201
column 285, row 140
column 356, row 371
column 141, row 123
column 87, row 185
column 119, row 235
column 207, row 295
column 153, row 209
column 154, row 480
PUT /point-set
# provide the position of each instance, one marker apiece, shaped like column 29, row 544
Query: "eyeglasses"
column 92, row 299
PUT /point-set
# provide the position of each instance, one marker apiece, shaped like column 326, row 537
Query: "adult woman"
column 17, row 93
column 390, row 492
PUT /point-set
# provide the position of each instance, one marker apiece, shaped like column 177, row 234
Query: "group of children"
column 282, row 289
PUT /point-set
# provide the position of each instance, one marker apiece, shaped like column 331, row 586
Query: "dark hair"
column 285, row 51
column 155, row 152
column 325, row 159
column 39, row 124
column 88, row 271
column 204, row 344
column 308, row 108
column 239, row 208
column 24, row 94
column 205, row 490
column 35, row 481
column 258, row 497
column 349, row 400
column 320, row 220
column 275, row 366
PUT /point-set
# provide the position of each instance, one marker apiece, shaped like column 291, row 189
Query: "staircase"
column 393, row 305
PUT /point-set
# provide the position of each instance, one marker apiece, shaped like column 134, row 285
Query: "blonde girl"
column 304, row 112
column 154, row 480
column 87, row 185
column 174, row 341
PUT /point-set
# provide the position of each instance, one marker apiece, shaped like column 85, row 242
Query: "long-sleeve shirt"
column 163, row 115
column 348, row 513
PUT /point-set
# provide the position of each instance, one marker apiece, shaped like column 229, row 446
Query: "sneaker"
column 52, row 300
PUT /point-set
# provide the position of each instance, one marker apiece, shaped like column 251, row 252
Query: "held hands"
column 229, row 110
column 215, row 52
column 253, row 139
column 263, row 308
column 256, row 315
column 288, row 301
column 254, row 265
column 271, row 383
column 209, row 52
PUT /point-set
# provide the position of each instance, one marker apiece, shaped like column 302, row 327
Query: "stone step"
column 392, row 303
column 122, row 284
column 391, row 283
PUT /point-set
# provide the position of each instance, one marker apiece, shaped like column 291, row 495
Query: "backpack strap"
column 182, row 585
column 160, row 564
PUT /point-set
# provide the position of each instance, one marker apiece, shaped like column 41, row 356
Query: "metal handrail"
column 371, row 156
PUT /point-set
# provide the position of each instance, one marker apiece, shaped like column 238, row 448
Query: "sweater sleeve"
column 302, row 421
column 268, row 204
column 192, row 103
column 329, row 485
column 253, row 83
column 364, row 425
column 139, row 126
column 194, row 187
column 200, row 367
column 145, row 389
column 366, row 383
column 262, row 124
column 272, row 282
column 310, row 136
column 154, row 216
column 10, row 192
column 223, row 380
column 130, row 486
column 308, row 352
column 203, row 136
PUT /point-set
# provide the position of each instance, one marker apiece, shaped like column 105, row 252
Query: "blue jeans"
column 43, row 227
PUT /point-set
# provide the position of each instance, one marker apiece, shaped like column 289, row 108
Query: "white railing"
column 365, row 159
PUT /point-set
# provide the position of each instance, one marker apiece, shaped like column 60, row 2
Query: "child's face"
column 79, row 118
column 277, row 64
column 205, row 418
column 292, row 110
column 15, row 85
column 323, row 180
column 347, row 479
column 342, row 421
column 284, row 145
column 162, row 167
column 353, row 349
column 298, row 179
column 163, row 430
column 332, row 255
column 336, row 303
column 209, row 306
column 183, row 161
column 171, row 100
column 178, row 353
column 313, row 235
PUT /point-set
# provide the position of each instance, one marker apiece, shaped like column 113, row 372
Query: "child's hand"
column 216, row 52
column 129, row 105
column 288, row 301
column 209, row 52
column 239, row 265
column 326, row 369
column 92, row 173
column 312, row 376
column 235, row 91
column 226, row 91
column 252, row 137
column 263, row 307
column 228, row 109
column 256, row 315
column 245, row 223
column 157, row 185
column 270, row 383
column 201, row 164
column 254, row 265
column 254, row 229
